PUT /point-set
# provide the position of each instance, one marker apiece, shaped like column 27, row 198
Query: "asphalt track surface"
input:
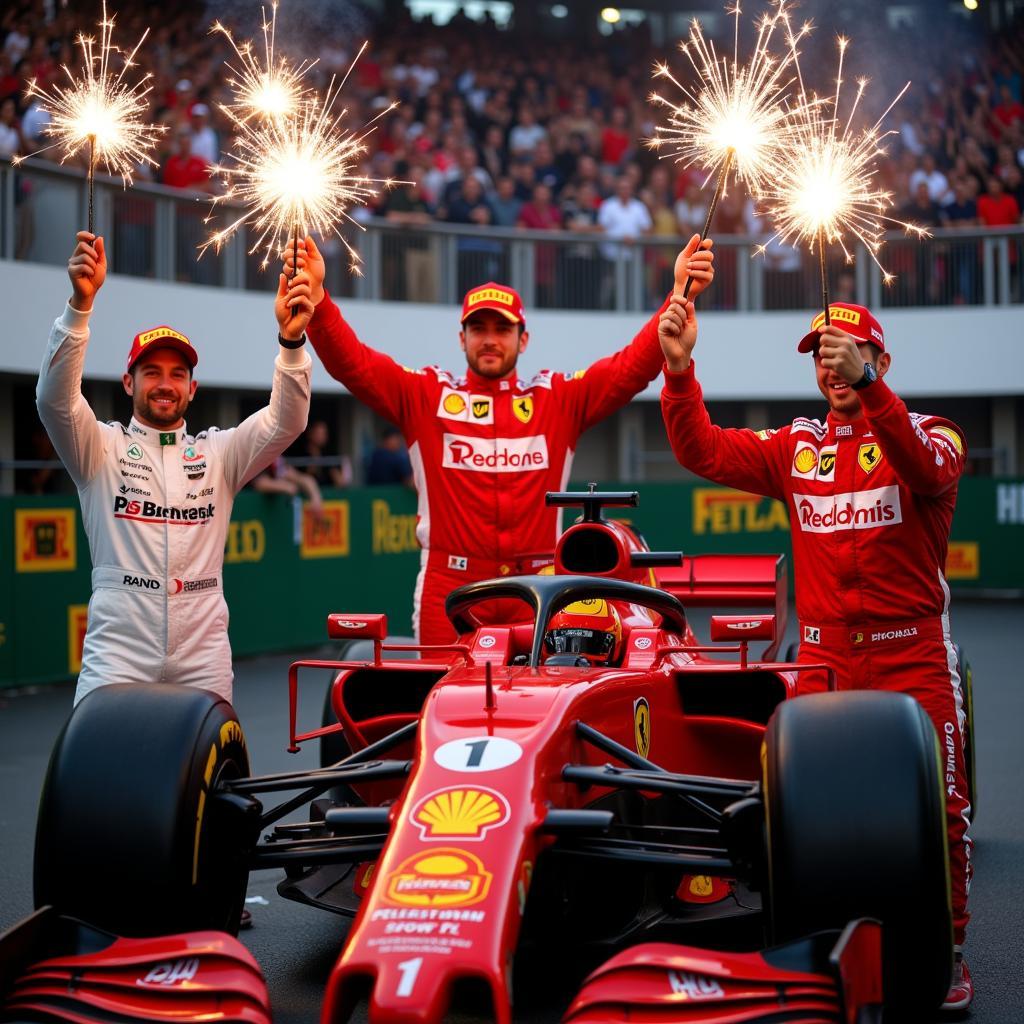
column 296, row 945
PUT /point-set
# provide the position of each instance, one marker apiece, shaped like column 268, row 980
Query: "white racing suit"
column 156, row 507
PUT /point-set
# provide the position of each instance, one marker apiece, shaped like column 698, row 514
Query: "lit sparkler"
column 296, row 174
column 823, row 191
column 735, row 118
column 102, row 110
column 269, row 89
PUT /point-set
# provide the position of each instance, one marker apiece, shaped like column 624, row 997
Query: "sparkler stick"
column 102, row 110
column 734, row 118
column 824, row 189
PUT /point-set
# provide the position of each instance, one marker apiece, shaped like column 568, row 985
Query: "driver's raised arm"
column 373, row 377
column 70, row 423
column 615, row 380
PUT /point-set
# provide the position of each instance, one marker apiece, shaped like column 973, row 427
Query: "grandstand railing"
column 154, row 232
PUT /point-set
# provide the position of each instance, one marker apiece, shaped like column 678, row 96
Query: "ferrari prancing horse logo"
column 642, row 726
column 522, row 407
column 869, row 457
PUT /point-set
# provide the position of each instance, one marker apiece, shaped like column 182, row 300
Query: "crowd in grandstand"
column 496, row 127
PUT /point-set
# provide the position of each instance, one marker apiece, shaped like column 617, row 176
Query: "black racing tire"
column 127, row 837
column 856, row 827
column 963, row 667
column 335, row 747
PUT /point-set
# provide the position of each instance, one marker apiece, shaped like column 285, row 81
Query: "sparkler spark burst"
column 269, row 89
column 823, row 191
column 295, row 175
column 736, row 115
column 102, row 108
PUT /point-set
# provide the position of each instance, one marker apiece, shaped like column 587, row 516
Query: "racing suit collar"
column 477, row 383
column 848, row 428
column 154, row 437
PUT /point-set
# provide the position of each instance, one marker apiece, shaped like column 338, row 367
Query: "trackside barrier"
column 286, row 569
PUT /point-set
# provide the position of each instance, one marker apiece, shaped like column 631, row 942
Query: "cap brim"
column 495, row 309
column 809, row 342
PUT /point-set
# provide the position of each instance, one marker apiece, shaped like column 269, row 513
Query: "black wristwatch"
column 870, row 376
column 285, row 343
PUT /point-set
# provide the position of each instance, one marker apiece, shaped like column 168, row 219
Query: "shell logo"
column 447, row 877
column 460, row 813
column 805, row 460
column 454, row 404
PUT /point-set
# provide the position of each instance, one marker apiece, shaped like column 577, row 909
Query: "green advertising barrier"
column 286, row 569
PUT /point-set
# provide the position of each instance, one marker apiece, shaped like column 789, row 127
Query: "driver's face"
column 492, row 343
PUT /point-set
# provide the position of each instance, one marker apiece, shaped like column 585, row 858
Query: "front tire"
column 856, row 827
column 128, row 838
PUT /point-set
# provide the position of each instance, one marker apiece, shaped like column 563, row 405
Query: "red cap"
column 161, row 337
column 857, row 321
column 499, row 297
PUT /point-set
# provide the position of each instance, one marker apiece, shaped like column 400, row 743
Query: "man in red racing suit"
column 485, row 446
column 870, row 495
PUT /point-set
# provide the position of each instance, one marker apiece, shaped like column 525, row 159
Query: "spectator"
column 505, row 204
column 183, row 169
column 10, row 83
column 579, row 215
column 407, row 205
column 541, row 214
column 314, row 448
column 204, row 138
column 545, row 168
column 622, row 216
column 467, row 167
column 691, row 210
column 493, row 154
column 525, row 178
column 11, row 142
column 963, row 211
column 995, row 208
column 527, row 132
column 389, row 463
column 933, row 179
column 1008, row 111
column 923, row 211
column 616, row 139
column 280, row 478
column 479, row 258
column 963, row 256
column 1012, row 185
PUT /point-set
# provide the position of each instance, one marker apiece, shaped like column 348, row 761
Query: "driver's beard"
column 505, row 369
column 150, row 413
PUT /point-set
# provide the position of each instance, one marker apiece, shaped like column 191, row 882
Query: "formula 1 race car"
column 514, row 795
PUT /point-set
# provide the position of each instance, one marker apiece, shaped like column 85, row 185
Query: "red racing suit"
column 870, row 505
column 483, row 451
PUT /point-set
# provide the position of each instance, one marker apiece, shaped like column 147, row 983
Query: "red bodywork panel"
column 191, row 978
column 658, row 982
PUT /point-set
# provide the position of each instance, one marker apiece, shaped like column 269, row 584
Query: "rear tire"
column 856, row 824
column 128, row 838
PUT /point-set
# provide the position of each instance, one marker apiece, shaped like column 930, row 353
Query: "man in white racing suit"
column 156, row 500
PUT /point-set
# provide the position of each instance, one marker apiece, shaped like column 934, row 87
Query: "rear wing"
column 732, row 581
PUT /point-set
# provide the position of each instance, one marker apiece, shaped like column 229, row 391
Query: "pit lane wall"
column 286, row 569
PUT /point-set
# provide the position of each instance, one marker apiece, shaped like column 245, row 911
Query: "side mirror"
column 350, row 626
column 742, row 628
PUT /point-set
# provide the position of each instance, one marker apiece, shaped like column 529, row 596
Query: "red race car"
column 577, row 776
